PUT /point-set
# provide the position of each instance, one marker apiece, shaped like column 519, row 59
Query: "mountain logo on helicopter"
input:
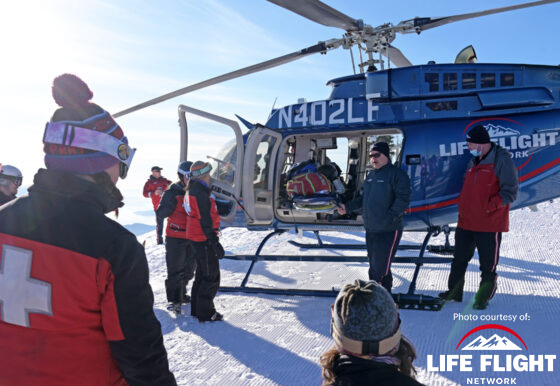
column 519, row 145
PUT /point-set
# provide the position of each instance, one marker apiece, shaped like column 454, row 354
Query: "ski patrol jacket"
column 490, row 186
column 77, row 307
column 152, row 185
column 385, row 197
column 351, row 370
column 203, row 220
column 4, row 198
column 171, row 206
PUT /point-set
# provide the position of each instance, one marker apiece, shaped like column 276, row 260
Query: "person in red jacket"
column 203, row 225
column 490, row 186
column 154, row 188
column 77, row 307
column 178, row 254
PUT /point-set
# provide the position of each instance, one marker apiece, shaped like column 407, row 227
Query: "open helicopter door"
column 259, row 166
column 217, row 140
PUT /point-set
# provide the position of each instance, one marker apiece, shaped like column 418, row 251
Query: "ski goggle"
column 17, row 181
column 187, row 174
column 201, row 171
column 67, row 134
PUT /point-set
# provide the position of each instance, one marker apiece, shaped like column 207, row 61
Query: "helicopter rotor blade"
column 321, row 13
column 396, row 56
column 419, row 24
column 322, row 47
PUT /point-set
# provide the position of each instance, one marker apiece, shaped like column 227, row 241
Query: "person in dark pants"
column 77, row 306
column 154, row 189
column 203, row 224
column 490, row 186
column 369, row 347
column 178, row 252
column 385, row 197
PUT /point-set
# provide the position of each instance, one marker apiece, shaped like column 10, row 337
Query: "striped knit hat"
column 200, row 168
column 365, row 320
column 82, row 137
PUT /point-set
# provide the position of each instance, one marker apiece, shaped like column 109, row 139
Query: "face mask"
column 475, row 152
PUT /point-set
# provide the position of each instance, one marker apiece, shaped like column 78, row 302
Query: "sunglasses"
column 375, row 155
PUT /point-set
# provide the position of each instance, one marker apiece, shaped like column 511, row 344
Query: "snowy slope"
column 269, row 340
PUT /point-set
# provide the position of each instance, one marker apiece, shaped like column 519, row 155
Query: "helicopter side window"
column 488, row 80
column 468, row 81
column 449, row 81
column 262, row 164
column 433, row 81
column 506, row 79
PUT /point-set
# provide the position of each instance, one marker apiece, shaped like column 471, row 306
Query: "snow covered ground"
column 277, row 340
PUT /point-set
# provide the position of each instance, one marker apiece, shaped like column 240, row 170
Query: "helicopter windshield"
column 223, row 164
column 215, row 143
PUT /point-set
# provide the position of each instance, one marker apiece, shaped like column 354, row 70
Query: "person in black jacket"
column 203, row 225
column 81, row 310
column 369, row 348
column 178, row 250
column 385, row 197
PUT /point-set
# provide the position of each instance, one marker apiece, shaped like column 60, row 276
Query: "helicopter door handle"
column 413, row 159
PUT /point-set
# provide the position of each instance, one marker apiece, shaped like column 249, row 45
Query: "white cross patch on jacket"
column 20, row 294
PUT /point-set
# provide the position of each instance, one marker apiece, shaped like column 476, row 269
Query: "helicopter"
column 422, row 111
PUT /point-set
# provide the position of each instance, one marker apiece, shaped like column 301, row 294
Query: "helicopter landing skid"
column 408, row 301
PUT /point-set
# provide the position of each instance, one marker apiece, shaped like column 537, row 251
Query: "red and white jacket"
column 203, row 220
column 171, row 206
column 152, row 186
column 77, row 307
column 490, row 186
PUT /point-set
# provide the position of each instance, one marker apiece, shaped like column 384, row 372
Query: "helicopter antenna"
column 352, row 58
column 272, row 108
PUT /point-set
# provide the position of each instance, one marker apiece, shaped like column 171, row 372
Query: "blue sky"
column 130, row 51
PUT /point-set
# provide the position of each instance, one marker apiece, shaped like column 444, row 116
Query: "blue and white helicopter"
column 423, row 111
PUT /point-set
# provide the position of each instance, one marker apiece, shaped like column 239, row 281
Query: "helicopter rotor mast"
column 375, row 39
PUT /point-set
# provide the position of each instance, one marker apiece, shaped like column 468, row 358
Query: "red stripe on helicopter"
column 432, row 206
column 455, row 200
column 488, row 119
column 539, row 170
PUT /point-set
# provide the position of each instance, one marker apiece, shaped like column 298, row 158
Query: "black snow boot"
column 175, row 307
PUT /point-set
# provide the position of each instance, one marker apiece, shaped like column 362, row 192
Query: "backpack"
column 301, row 168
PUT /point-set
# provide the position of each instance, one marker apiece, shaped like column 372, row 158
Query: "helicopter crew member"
column 77, row 304
column 178, row 254
column 385, row 197
column 490, row 186
column 203, row 225
column 10, row 180
column 154, row 188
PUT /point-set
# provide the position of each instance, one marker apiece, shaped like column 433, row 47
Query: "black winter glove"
column 218, row 250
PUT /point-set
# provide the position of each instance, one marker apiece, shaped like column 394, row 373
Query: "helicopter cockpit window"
column 468, row 80
column 506, row 79
column 433, row 81
column 488, row 80
column 449, row 81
